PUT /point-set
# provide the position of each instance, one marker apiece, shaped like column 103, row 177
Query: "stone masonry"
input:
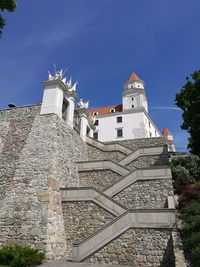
column 39, row 155
column 97, row 154
column 148, row 161
column 98, row 179
column 139, row 248
column 30, row 208
column 146, row 194
column 83, row 218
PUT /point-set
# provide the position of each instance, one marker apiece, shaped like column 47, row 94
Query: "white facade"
column 134, row 124
column 132, row 121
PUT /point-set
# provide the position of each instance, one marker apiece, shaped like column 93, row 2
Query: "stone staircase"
column 129, row 219
column 139, row 199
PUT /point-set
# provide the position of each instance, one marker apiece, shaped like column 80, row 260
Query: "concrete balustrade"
column 108, row 147
column 102, row 165
column 163, row 172
column 160, row 218
column 145, row 151
column 90, row 194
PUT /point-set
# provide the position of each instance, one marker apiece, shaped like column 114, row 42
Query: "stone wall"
column 19, row 112
column 148, row 161
column 100, row 179
column 134, row 144
column 15, row 126
column 70, row 149
column 138, row 248
column 95, row 153
column 31, row 210
column 146, row 194
column 81, row 219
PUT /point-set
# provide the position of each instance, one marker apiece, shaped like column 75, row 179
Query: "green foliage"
column 191, row 231
column 20, row 256
column 185, row 171
column 186, row 176
column 9, row 5
column 188, row 166
column 189, row 101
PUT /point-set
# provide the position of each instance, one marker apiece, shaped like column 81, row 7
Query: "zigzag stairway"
column 123, row 211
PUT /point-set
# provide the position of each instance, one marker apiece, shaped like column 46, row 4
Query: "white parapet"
column 53, row 97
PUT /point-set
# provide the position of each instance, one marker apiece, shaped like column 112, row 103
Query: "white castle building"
column 128, row 120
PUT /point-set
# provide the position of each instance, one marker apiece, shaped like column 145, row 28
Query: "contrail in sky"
column 167, row 108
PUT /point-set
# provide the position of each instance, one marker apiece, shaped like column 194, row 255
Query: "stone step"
column 133, row 218
column 102, row 165
column 91, row 194
column 144, row 151
column 65, row 263
column 108, row 147
column 154, row 173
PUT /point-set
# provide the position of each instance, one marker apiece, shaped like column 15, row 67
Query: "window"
column 119, row 119
column 150, row 134
column 112, row 110
column 149, row 124
column 132, row 106
column 132, row 98
column 155, row 133
column 95, row 136
column 96, row 122
column 119, row 133
column 95, row 113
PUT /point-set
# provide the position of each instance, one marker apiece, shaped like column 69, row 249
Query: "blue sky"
column 101, row 43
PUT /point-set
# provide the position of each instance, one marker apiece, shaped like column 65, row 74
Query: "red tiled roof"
column 133, row 77
column 106, row 110
column 166, row 131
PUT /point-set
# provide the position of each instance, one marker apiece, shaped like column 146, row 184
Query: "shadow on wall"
column 168, row 257
column 150, row 160
column 13, row 143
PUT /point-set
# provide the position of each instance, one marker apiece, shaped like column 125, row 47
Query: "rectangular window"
column 150, row 134
column 95, row 136
column 119, row 119
column 119, row 133
column 132, row 106
column 96, row 122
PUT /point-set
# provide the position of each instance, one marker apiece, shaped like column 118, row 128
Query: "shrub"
column 191, row 231
column 187, row 166
column 190, row 194
column 180, row 182
column 20, row 256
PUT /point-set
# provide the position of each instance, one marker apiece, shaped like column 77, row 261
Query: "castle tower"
column 134, row 95
column 59, row 97
column 169, row 140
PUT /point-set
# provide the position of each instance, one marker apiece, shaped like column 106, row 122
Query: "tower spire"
column 133, row 77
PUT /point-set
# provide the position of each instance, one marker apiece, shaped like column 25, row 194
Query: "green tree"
column 189, row 101
column 9, row 5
